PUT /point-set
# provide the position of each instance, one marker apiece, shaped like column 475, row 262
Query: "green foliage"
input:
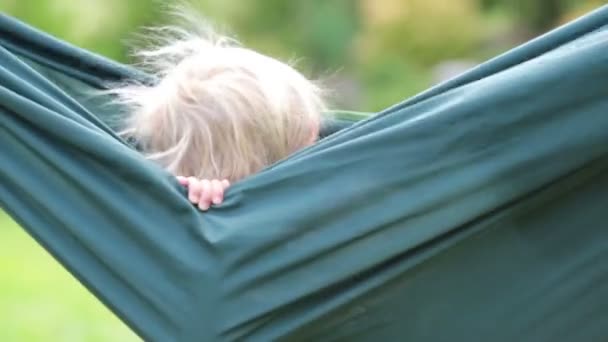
column 96, row 25
column 401, row 41
column 391, row 80
column 421, row 31
column 40, row 301
column 320, row 30
column 543, row 15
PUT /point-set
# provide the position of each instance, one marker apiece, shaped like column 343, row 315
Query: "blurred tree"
column 400, row 40
column 542, row 15
column 581, row 8
column 96, row 25
column 318, row 29
column 423, row 31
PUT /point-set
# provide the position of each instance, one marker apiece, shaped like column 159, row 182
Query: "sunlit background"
column 370, row 53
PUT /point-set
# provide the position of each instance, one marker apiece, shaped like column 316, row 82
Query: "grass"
column 40, row 301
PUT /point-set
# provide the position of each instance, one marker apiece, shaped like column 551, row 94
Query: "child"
column 219, row 112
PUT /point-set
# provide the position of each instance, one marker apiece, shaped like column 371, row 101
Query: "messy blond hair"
column 218, row 109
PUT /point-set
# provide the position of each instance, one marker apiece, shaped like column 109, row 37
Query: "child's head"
column 219, row 110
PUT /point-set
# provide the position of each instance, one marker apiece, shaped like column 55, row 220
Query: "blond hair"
column 218, row 110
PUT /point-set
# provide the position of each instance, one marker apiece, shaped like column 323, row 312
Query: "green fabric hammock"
column 475, row 211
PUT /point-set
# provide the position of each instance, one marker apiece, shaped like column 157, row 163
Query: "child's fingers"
column 194, row 190
column 204, row 192
column 205, row 200
column 217, row 190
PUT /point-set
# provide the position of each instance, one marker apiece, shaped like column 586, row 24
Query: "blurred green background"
column 370, row 53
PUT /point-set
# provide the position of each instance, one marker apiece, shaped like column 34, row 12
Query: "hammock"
column 475, row 211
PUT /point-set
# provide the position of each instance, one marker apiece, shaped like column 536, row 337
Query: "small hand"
column 204, row 192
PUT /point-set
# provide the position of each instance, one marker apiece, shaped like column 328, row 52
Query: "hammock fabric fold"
column 475, row 211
